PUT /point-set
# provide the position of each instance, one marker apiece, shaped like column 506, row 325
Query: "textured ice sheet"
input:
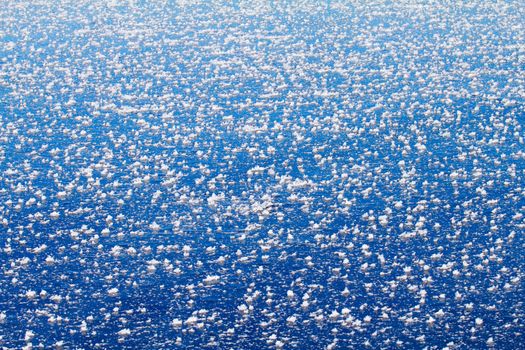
column 271, row 174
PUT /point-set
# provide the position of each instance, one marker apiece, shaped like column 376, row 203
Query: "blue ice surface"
column 307, row 120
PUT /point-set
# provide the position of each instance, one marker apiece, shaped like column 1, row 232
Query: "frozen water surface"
column 262, row 174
